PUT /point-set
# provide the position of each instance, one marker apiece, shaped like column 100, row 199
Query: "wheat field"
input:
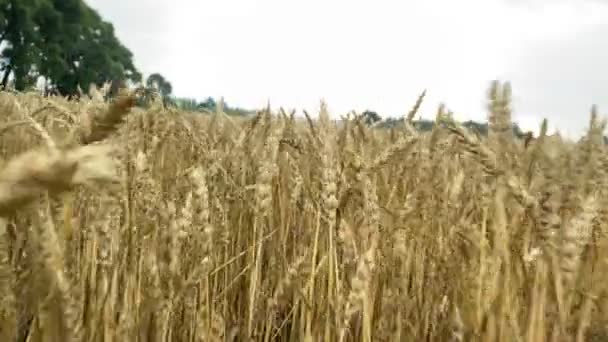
column 124, row 224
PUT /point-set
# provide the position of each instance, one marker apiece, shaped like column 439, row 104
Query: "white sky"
column 378, row 54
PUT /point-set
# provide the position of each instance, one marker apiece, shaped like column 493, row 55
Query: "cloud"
column 561, row 79
column 540, row 4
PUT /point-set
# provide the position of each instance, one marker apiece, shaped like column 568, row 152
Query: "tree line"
column 425, row 125
column 210, row 105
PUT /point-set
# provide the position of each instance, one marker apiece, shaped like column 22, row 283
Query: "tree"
column 209, row 104
column 159, row 82
column 94, row 55
column 424, row 125
column 64, row 41
column 371, row 117
column 50, row 40
column 186, row 104
column 20, row 33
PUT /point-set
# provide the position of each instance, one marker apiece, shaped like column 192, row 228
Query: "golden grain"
column 124, row 224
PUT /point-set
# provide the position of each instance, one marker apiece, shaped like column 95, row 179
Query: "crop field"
column 124, row 223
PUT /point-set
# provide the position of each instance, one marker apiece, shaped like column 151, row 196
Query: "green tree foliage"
column 425, row 125
column 158, row 82
column 371, row 117
column 190, row 105
column 64, row 41
column 209, row 105
column 20, row 35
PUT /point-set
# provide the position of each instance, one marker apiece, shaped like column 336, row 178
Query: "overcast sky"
column 377, row 54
